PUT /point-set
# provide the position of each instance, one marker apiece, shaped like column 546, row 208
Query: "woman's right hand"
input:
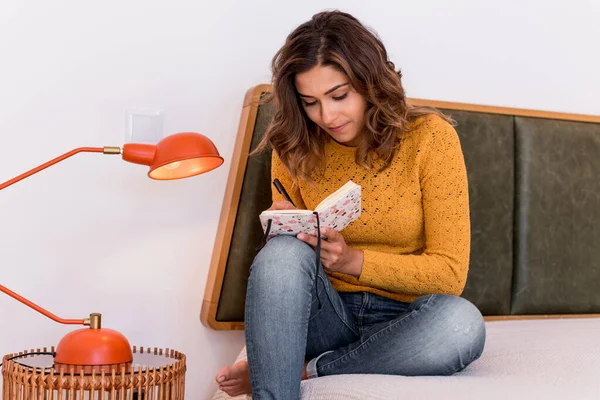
column 281, row 205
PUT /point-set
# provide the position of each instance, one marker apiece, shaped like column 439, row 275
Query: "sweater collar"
column 340, row 148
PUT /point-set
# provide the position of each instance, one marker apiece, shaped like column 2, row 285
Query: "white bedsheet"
column 526, row 359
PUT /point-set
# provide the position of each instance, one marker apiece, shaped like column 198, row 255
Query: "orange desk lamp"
column 176, row 156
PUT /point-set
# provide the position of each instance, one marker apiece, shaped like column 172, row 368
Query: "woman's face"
column 332, row 103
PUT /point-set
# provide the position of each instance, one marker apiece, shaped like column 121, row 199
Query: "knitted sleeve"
column 442, row 266
column 278, row 170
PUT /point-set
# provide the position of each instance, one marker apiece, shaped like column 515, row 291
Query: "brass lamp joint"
column 112, row 150
column 94, row 321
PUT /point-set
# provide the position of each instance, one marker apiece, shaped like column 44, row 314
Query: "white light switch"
column 144, row 126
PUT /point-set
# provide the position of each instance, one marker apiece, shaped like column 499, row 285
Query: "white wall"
column 94, row 234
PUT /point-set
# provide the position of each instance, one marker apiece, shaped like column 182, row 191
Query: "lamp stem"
column 105, row 150
column 42, row 310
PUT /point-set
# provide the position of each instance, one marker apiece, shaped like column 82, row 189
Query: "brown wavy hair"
column 338, row 40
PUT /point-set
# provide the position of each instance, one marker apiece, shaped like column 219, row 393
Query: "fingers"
column 308, row 239
column 332, row 235
column 328, row 234
column 312, row 239
column 327, row 246
column 282, row 205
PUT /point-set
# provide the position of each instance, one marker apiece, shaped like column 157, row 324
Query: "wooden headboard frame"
column 234, row 187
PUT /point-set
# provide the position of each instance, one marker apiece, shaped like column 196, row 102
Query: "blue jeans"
column 345, row 333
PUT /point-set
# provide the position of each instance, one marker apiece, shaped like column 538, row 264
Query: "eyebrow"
column 333, row 89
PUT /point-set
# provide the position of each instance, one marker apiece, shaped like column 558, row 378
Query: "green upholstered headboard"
column 534, row 187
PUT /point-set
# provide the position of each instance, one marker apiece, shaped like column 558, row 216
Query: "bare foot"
column 235, row 380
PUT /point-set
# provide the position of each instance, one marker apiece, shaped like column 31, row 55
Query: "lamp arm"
column 43, row 311
column 105, row 150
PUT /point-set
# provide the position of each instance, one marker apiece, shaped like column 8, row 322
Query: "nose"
column 328, row 114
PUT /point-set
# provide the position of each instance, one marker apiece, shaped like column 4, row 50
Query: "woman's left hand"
column 336, row 255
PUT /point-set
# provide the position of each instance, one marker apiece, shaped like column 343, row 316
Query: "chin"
column 347, row 142
column 345, row 138
column 350, row 140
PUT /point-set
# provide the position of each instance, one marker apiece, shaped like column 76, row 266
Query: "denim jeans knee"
column 467, row 329
column 282, row 260
column 436, row 335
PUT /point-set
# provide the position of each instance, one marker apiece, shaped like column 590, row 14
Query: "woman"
column 384, row 297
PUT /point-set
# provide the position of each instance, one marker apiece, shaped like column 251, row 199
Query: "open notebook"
column 336, row 211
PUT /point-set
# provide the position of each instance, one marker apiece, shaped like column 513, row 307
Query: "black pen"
column 282, row 191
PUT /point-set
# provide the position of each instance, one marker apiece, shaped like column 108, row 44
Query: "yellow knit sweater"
column 414, row 229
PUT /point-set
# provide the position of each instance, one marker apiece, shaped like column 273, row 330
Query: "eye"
column 309, row 104
column 342, row 97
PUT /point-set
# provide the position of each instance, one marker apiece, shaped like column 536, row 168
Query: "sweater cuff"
column 369, row 274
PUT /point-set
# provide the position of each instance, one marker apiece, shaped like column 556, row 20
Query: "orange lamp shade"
column 93, row 347
column 177, row 156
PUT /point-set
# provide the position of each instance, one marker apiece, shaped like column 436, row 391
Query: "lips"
column 337, row 128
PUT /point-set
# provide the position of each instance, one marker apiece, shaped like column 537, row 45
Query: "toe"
column 223, row 375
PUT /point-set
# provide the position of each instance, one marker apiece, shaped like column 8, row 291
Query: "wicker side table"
column 154, row 374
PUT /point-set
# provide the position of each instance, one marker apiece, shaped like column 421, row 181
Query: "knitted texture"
column 414, row 229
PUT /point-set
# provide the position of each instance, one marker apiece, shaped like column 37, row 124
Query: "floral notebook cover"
column 336, row 211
